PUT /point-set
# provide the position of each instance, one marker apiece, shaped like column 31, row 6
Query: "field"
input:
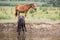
column 52, row 13
column 40, row 31
column 43, row 24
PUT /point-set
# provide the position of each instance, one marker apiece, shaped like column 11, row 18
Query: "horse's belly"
column 21, row 11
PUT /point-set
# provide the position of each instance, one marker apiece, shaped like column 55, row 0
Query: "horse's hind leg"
column 19, row 35
column 23, row 29
column 23, row 36
column 17, row 13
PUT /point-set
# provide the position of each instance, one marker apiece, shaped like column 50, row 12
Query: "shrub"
column 31, row 11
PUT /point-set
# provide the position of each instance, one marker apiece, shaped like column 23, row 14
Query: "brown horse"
column 23, row 8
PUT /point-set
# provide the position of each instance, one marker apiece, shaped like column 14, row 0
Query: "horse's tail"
column 16, row 13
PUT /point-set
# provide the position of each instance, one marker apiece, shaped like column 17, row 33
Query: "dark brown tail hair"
column 16, row 13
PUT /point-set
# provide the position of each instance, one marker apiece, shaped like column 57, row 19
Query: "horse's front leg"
column 18, row 13
column 25, row 13
column 19, row 34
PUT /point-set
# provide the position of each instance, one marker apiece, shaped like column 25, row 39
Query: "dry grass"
column 52, row 13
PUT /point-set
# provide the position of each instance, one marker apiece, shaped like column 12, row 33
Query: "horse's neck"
column 29, row 6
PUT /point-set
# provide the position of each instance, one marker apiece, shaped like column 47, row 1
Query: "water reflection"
column 21, row 35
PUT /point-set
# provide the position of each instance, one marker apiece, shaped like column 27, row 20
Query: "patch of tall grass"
column 52, row 13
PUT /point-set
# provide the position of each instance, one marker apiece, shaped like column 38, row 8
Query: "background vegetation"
column 41, row 13
column 55, row 3
column 46, row 9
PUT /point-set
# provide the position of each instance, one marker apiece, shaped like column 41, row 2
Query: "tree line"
column 55, row 3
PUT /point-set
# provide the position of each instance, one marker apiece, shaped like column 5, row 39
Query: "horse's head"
column 33, row 6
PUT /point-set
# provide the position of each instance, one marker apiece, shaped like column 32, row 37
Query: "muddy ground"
column 39, row 31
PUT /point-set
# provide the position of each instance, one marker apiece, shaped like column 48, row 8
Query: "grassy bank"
column 52, row 13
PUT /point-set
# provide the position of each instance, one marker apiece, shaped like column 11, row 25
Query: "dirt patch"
column 39, row 31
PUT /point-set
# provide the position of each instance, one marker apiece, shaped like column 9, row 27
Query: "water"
column 34, row 32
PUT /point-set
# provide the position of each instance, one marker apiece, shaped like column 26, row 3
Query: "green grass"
column 41, row 13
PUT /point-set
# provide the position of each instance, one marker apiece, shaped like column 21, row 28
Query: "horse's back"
column 21, row 20
column 20, row 7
